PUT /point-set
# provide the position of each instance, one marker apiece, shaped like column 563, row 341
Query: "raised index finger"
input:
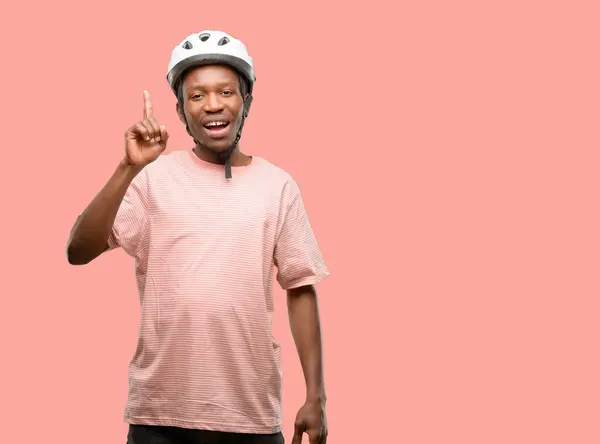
column 148, row 113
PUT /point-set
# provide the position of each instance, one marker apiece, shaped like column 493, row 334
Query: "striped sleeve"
column 297, row 254
column 130, row 222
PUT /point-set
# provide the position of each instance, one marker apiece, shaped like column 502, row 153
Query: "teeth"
column 216, row 123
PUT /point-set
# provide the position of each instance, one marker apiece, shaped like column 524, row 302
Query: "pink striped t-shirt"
column 207, row 251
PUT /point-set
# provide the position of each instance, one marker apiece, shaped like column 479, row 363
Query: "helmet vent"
column 187, row 45
column 223, row 41
column 204, row 37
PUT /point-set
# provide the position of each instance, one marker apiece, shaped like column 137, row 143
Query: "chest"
column 191, row 212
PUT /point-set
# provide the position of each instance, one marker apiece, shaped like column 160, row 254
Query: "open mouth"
column 217, row 129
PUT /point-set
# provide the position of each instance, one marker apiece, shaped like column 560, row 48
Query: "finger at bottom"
column 142, row 131
column 155, row 128
column 150, row 130
column 164, row 135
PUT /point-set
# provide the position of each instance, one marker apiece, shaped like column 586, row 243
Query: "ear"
column 180, row 113
column 247, row 103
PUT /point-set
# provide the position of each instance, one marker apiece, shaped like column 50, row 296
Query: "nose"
column 212, row 103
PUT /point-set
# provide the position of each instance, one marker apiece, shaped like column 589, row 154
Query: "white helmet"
column 209, row 47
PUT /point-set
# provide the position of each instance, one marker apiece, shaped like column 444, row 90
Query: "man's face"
column 213, row 104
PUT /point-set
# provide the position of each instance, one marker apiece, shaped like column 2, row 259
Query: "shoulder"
column 166, row 168
column 157, row 175
column 279, row 179
column 167, row 162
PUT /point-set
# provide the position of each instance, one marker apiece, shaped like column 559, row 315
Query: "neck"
column 237, row 158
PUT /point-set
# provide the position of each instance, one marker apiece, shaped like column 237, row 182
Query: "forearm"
column 90, row 233
column 305, row 326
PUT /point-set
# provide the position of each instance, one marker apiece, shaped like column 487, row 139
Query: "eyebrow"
column 228, row 84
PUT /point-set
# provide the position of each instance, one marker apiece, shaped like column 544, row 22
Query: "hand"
column 311, row 419
column 145, row 140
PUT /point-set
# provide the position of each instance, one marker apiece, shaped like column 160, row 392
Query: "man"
column 208, row 227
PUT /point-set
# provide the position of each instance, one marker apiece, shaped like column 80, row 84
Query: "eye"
column 228, row 93
column 197, row 96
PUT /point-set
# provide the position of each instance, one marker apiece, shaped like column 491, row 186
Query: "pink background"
column 448, row 155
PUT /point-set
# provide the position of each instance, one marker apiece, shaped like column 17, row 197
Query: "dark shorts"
column 141, row 434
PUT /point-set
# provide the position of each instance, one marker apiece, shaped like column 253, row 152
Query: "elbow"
column 73, row 258
column 78, row 256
